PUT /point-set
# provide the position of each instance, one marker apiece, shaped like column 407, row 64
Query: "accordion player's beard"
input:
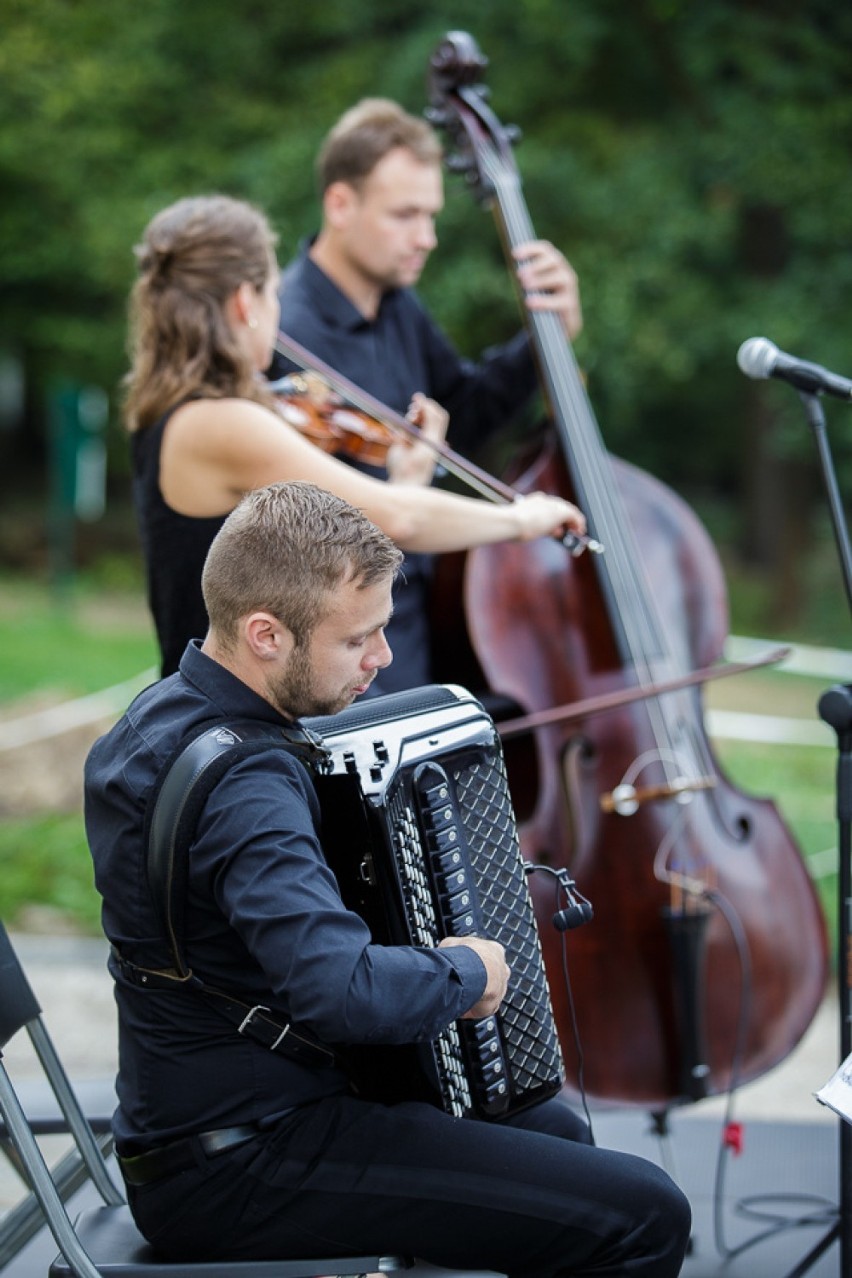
column 296, row 691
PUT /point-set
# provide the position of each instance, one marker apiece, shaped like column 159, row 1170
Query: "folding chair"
column 50, row 1111
column 104, row 1240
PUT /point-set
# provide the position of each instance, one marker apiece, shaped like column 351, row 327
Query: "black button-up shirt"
column 264, row 919
column 402, row 351
column 390, row 357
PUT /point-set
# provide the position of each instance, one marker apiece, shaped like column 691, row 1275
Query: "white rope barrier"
column 772, row 729
column 53, row 721
column 832, row 664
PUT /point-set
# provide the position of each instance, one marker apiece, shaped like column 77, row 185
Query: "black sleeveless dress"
column 174, row 547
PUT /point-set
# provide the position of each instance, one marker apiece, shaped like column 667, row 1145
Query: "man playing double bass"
column 348, row 299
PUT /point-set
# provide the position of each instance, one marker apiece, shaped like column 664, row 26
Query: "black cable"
column 740, row 939
column 566, row 889
column 748, row 1206
column 822, row 1211
column 575, row 1030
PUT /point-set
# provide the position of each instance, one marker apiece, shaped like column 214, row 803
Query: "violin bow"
column 486, row 485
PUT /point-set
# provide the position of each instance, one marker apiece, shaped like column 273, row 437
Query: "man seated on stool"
column 231, row 1150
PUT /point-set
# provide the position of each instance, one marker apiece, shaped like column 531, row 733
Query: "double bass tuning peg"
column 458, row 162
column 438, row 117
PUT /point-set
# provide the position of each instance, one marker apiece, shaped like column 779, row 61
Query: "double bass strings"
column 640, row 636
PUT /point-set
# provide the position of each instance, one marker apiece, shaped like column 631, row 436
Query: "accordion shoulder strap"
column 180, row 793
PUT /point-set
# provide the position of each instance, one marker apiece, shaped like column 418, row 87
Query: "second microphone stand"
column 835, row 708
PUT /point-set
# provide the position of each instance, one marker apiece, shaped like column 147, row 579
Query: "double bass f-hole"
column 707, row 957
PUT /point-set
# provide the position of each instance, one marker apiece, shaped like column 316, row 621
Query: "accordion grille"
column 527, row 1019
column 505, row 912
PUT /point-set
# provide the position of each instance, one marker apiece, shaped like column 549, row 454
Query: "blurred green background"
column 691, row 157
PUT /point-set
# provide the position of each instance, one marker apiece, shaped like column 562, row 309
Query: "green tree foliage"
column 690, row 156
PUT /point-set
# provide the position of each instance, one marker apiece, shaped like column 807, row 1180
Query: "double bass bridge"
column 626, row 799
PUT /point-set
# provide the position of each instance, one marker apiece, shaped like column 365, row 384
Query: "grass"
column 800, row 779
column 70, row 642
column 47, row 875
column 801, row 782
column 55, row 648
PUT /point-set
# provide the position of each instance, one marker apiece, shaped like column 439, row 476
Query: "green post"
column 77, row 418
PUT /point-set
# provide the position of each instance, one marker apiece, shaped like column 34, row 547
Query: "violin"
column 707, row 955
column 307, row 402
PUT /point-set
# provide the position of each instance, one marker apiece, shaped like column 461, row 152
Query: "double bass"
column 707, row 955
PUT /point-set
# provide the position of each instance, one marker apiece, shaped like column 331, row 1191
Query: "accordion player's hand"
column 493, row 958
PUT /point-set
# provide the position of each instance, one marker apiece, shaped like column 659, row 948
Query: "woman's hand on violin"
column 550, row 283
column 542, row 514
column 411, row 461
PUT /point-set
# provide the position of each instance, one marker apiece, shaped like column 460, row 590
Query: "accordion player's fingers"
column 497, row 971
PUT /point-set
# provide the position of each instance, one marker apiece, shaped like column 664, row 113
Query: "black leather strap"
column 179, row 795
column 180, row 1155
column 258, row 1023
column 255, row 1021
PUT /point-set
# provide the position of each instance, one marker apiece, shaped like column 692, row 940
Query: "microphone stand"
column 835, row 708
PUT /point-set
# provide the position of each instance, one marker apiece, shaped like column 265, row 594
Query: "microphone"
column 758, row 357
column 577, row 910
column 574, row 916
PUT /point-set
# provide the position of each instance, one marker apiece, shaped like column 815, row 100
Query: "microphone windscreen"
column 756, row 357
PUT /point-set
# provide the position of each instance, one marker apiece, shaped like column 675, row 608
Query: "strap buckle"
column 249, row 1018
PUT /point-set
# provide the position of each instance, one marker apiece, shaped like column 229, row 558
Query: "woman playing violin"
column 206, row 429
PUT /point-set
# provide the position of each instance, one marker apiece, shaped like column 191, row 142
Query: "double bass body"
column 682, row 985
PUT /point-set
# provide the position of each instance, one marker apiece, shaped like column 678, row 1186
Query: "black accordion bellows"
column 419, row 828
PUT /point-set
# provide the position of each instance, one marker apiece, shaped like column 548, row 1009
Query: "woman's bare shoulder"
column 214, row 450
column 215, row 420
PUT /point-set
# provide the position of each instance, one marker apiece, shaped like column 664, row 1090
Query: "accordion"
column 419, row 829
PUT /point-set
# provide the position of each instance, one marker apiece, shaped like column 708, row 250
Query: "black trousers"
column 529, row 1197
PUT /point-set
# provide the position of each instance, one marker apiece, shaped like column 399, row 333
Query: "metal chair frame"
column 102, row 1240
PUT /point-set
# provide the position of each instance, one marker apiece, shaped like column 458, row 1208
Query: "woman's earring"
column 252, row 322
